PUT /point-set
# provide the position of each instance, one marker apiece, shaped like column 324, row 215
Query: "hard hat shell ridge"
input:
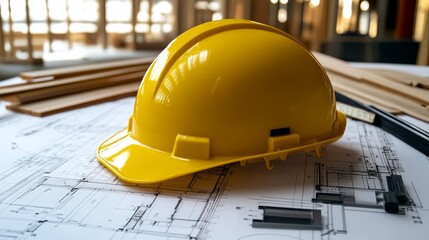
column 222, row 92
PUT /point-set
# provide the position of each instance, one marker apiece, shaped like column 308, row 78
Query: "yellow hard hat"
column 222, row 92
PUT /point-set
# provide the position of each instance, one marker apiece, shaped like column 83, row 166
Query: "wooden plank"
column 401, row 77
column 340, row 67
column 367, row 102
column 73, row 101
column 86, row 69
column 45, row 93
column 19, row 88
column 377, row 95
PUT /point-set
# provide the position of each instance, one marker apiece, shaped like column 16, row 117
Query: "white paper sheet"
column 52, row 187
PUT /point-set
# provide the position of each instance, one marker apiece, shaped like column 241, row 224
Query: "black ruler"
column 407, row 132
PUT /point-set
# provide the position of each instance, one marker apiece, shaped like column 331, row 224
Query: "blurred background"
column 43, row 31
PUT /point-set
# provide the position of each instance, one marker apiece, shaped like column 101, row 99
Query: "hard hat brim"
column 134, row 162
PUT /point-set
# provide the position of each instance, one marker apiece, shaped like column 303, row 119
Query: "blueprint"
column 53, row 187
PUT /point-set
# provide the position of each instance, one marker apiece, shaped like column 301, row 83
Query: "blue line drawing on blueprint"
column 52, row 187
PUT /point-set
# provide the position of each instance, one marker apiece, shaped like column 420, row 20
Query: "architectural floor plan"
column 53, row 187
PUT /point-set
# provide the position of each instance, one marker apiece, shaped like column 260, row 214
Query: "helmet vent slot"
column 279, row 132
